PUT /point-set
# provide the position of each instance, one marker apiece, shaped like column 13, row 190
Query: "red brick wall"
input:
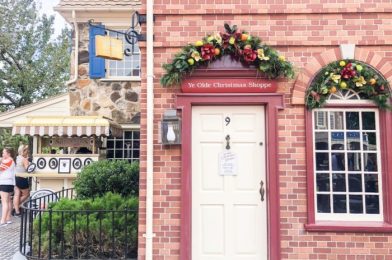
column 300, row 30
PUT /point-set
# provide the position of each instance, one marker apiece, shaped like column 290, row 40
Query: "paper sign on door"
column 228, row 163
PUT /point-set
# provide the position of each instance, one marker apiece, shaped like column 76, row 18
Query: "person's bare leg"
column 25, row 195
column 5, row 200
column 9, row 216
column 17, row 199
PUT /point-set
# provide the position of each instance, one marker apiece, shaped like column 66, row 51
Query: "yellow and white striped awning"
column 66, row 126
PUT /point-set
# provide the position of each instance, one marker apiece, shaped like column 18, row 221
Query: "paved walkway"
column 9, row 239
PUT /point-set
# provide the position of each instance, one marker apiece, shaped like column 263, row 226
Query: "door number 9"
column 227, row 120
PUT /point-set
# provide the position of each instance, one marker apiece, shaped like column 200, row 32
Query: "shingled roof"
column 97, row 3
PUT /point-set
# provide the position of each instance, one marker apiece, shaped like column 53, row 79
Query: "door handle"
column 262, row 190
column 227, row 142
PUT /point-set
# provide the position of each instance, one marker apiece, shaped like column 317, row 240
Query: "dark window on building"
column 126, row 147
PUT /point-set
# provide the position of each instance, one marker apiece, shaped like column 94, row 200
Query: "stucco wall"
column 118, row 100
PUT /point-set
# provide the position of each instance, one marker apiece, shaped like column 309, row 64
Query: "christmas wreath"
column 241, row 46
column 345, row 75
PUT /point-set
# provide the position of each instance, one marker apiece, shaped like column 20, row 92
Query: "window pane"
column 321, row 141
column 136, row 72
column 119, row 144
column 323, row 203
column 119, row 154
column 337, row 140
column 353, row 141
column 355, row 182
column 369, row 141
column 136, row 154
column 128, row 135
column 110, row 144
column 352, row 120
column 322, row 162
column 120, row 72
column 113, row 72
column 356, row 204
column 368, row 121
column 339, row 182
column 321, row 120
column 322, row 182
column 136, row 135
column 336, row 120
column 339, row 204
column 372, row 204
column 354, row 161
column 371, row 183
column 370, row 160
column 109, row 154
column 112, row 64
column 338, row 162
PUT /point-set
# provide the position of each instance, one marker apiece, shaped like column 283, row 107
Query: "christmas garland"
column 344, row 75
column 241, row 46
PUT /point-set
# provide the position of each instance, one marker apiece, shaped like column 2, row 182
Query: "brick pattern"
column 304, row 38
column 269, row 6
column 281, row 29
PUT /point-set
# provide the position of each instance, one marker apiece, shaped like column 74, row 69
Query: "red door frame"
column 272, row 103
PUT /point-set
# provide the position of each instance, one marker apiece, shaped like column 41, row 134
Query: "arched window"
column 347, row 159
column 344, row 95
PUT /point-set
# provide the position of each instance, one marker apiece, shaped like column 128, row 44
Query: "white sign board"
column 228, row 163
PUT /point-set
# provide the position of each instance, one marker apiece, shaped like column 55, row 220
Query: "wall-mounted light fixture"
column 171, row 128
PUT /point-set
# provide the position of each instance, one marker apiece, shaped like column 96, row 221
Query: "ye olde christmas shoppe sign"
column 227, row 85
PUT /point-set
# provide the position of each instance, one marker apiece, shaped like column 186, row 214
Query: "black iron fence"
column 76, row 234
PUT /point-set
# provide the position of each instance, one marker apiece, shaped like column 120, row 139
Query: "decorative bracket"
column 132, row 35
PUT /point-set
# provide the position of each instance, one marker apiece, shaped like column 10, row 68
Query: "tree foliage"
column 32, row 65
column 7, row 140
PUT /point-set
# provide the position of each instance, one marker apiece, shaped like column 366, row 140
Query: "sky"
column 47, row 8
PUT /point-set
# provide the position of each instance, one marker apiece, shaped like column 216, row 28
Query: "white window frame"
column 347, row 216
column 108, row 77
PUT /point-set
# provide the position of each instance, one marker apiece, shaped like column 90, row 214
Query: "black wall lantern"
column 170, row 128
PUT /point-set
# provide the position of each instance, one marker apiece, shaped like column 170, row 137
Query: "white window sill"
column 122, row 79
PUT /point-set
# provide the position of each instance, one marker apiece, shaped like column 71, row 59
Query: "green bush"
column 116, row 176
column 97, row 234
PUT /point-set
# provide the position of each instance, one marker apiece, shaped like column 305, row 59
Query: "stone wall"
column 118, row 100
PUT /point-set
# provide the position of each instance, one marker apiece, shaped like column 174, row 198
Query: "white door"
column 229, row 220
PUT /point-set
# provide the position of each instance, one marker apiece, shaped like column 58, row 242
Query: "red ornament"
column 237, row 36
column 207, row 51
column 225, row 40
column 348, row 72
column 249, row 55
